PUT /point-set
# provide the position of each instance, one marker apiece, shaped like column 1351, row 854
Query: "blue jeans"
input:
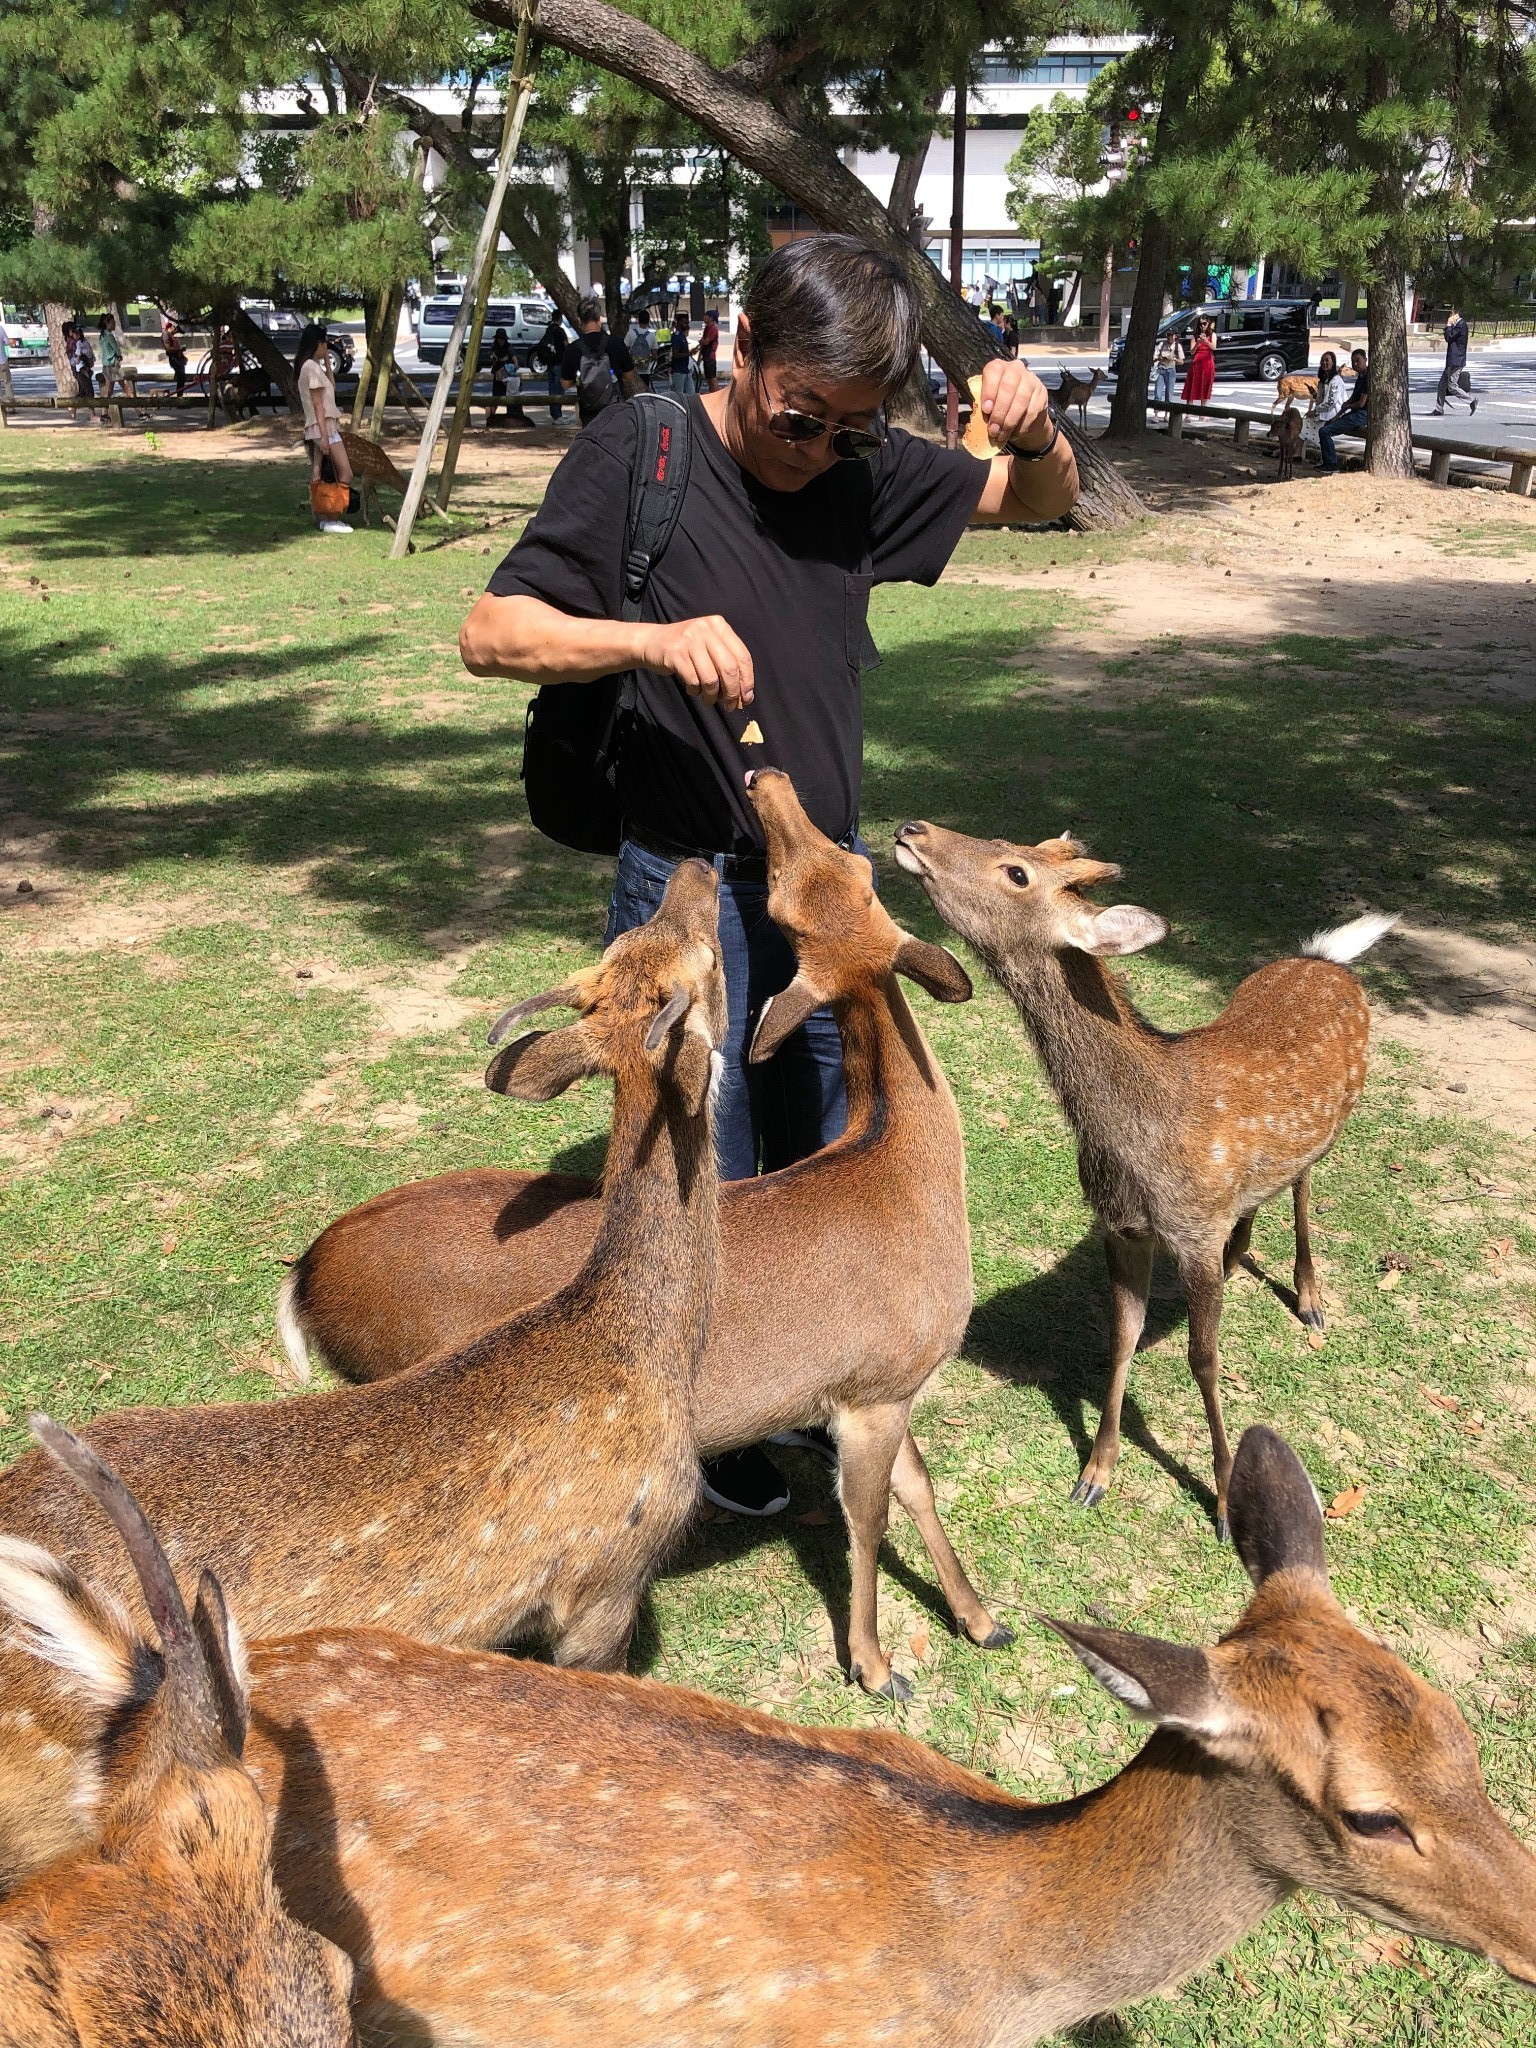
column 768, row 1116
column 1163, row 382
column 556, row 390
column 1346, row 423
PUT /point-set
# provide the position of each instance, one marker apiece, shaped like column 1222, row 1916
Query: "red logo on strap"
column 661, row 459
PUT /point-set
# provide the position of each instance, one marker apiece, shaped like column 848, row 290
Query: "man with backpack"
column 693, row 596
column 597, row 367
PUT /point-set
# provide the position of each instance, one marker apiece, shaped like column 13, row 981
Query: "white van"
column 525, row 320
column 25, row 336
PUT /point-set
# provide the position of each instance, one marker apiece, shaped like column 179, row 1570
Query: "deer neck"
column 1123, row 1892
column 653, row 1259
column 1100, row 1053
column 887, row 1064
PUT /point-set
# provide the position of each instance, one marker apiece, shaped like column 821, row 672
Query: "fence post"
column 1439, row 465
column 1240, row 433
column 1520, row 474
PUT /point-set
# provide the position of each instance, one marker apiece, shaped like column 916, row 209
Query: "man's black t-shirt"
column 619, row 358
column 791, row 571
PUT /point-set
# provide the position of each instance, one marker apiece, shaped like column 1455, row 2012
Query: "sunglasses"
column 799, row 429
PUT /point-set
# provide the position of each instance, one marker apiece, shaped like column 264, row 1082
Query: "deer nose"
column 912, row 829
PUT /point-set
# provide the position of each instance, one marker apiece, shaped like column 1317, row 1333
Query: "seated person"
column 1353, row 419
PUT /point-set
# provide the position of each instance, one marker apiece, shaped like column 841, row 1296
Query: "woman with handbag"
column 330, row 496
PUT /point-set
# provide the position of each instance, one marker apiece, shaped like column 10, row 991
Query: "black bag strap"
column 657, row 484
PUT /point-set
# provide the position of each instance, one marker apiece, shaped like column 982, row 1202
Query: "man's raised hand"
column 707, row 656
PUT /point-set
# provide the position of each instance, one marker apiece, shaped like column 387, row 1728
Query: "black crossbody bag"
column 574, row 730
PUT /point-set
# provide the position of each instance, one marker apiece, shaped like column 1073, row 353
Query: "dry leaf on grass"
column 1345, row 1503
column 1396, row 1949
column 168, row 1245
column 1450, row 1402
column 1393, row 1277
column 1316, row 1340
column 257, row 1358
column 813, row 1518
column 918, row 1644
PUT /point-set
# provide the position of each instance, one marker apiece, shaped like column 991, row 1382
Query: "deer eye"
column 1378, row 1827
column 1018, row 876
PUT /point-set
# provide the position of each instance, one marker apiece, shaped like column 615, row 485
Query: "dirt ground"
column 1444, row 579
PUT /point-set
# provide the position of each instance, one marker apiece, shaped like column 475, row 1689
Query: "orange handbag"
column 329, row 501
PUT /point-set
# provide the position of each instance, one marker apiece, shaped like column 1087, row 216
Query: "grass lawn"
column 281, row 875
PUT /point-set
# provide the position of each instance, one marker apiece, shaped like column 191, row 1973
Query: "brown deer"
column 621, row 1864
column 1292, row 387
column 166, row 1926
column 1077, row 391
column 1286, row 432
column 808, row 1327
column 1181, row 1135
column 528, row 1484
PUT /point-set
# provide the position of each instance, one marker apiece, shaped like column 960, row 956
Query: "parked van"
column 1254, row 337
column 25, row 337
column 524, row 319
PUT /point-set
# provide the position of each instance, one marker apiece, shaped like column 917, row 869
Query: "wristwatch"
column 1034, row 454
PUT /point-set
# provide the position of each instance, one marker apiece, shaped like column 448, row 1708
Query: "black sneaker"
column 1474, row 405
column 814, row 1439
column 746, row 1483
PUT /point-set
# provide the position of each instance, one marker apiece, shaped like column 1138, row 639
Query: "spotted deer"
column 164, row 1925
column 528, row 1484
column 808, row 1326
column 1073, row 390
column 622, row 1864
column 1181, row 1135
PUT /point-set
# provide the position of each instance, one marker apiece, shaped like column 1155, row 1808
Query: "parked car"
column 23, row 336
column 1254, row 337
column 524, row 319
column 285, row 326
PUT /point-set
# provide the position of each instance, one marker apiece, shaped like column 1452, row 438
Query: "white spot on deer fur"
column 1218, row 1151
column 488, row 1532
column 432, row 1744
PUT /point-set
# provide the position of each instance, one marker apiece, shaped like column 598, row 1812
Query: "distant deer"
column 1290, row 388
column 807, row 1327
column 616, row 1863
column 529, row 1484
column 1286, row 432
column 1077, row 391
column 166, row 1927
column 1181, row 1135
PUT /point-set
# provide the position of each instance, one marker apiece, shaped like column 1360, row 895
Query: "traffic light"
column 1132, row 113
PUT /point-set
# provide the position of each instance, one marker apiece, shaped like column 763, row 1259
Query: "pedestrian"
column 549, row 355
column 1355, row 416
column 596, row 366
column 641, row 343
column 111, row 361
column 677, row 358
column 1330, row 403
column 322, row 424
column 994, row 324
column 501, row 364
column 175, row 350
column 1200, row 377
column 1166, row 356
column 708, row 350
column 1053, row 303
column 798, row 501
column 1011, row 342
column 1455, row 379
column 82, row 360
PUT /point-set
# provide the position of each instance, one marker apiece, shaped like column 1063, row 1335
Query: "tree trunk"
column 809, row 172
column 54, row 316
column 902, row 206
column 1388, row 433
column 257, row 342
column 1128, row 403
column 915, row 408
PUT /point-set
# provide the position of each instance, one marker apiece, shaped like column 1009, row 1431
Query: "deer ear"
column 224, row 1650
column 1085, row 873
column 693, row 1065
column 933, row 968
column 1273, row 1509
column 781, row 1015
column 1164, row 1682
column 1124, row 928
column 542, row 1064
column 564, row 997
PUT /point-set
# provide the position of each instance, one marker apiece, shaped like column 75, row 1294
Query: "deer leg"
column 1237, row 1244
column 1309, row 1296
column 868, row 1440
column 596, row 1636
column 914, row 1489
column 1130, row 1279
column 1203, row 1286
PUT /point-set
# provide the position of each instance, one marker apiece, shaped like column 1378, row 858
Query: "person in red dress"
column 1200, row 377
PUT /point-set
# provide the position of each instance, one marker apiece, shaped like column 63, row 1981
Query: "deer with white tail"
column 571, row 1859
column 1181, row 1135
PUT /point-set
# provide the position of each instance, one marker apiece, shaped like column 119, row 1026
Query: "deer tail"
column 1347, row 942
column 290, row 1327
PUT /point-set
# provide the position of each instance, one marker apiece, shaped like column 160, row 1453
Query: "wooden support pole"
column 1440, row 466
column 471, row 369
column 1175, row 422
column 389, row 324
column 1520, row 474
column 1240, row 433
column 956, row 246
column 520, row 83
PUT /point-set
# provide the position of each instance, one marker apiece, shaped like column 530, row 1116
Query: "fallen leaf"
column 1501, row 1247
column 1448, row 1401
column 813, row 1518
column 1393, row 1277
column 168, row 1245
column 1345, row 1503
column 996, row 1117
column 103, row 1375
column 1395, row 1166
column 918, row 1644
column 1490, row 1634
column 1394, row 1949
column 1316, row 1339
column 953, row 1421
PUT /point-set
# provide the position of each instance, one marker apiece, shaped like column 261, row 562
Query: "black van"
column 1254, row 337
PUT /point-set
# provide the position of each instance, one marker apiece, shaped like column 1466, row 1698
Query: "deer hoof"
column 1000, row 1638
column 1223, row 1533
column 1087, row 1492
column 1312, row 1317
column 895, row 1688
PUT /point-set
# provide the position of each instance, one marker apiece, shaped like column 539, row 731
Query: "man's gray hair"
column 831, row 307
column 588, row 309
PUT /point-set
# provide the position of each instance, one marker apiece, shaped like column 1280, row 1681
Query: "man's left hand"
column 1015, row 404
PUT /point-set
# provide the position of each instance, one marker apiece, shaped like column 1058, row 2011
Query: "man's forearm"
column 1029, row 493
column 526, row 638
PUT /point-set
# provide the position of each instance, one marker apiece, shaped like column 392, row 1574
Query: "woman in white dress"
column 322, row 420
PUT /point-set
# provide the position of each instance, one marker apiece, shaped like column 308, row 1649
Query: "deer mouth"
column 907, row 856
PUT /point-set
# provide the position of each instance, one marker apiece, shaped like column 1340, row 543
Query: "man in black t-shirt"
column 597, row 367
column 754, row 632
